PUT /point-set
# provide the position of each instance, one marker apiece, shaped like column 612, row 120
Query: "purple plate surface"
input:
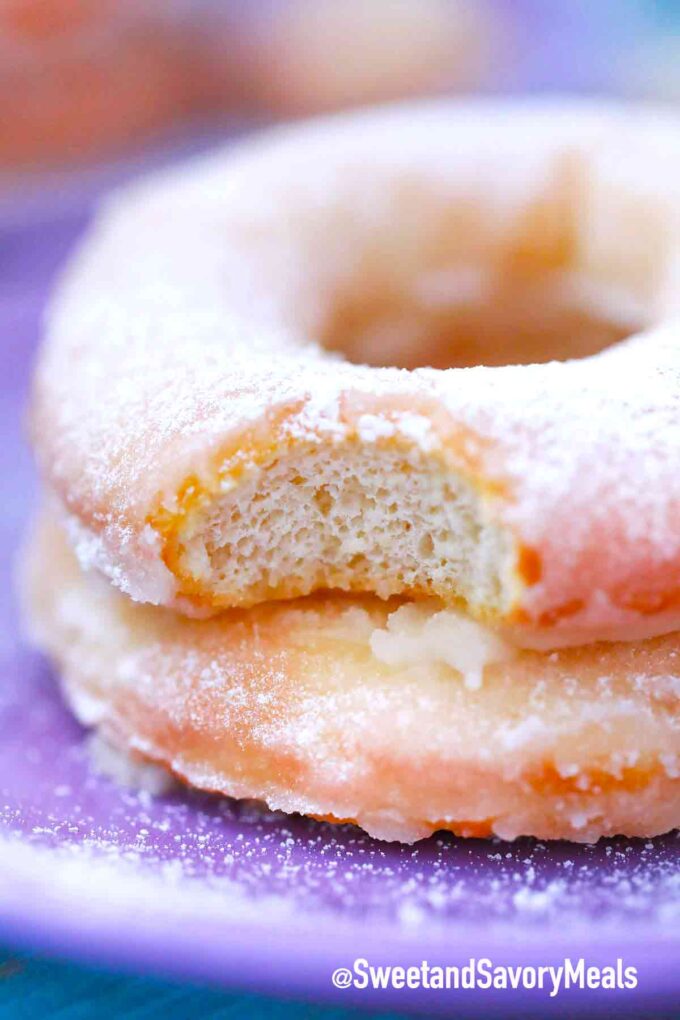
column 206, row 888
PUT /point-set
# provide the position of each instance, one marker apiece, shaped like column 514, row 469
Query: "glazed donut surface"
column 210, row 446
column 295, row 703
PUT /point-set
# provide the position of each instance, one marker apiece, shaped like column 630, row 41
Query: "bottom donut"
column 348, row 708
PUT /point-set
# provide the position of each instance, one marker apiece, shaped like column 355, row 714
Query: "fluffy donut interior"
column 359, row 519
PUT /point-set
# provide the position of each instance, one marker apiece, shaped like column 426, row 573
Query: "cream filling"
column 419, row 634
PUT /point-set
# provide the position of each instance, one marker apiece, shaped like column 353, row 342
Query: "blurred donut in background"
column 77, row 76
column 320, row 55
column 82, row 80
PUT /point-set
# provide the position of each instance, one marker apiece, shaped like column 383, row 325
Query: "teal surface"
column 33, row 989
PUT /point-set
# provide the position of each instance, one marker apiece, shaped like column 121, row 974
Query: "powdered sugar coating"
column 190, row 319
column 289, row 703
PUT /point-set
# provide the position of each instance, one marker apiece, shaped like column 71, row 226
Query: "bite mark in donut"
column 178, row 390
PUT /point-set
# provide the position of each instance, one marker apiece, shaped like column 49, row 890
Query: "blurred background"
column 91, row 84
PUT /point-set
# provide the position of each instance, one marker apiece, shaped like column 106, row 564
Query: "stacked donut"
column 283, row 560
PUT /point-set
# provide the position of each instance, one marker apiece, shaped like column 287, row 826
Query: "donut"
column 212, row 442
column 313, row 55
column 360, row 443
column 304, row 704
column 82, row 77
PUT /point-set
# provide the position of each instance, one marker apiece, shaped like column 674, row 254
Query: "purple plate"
column 206, row 888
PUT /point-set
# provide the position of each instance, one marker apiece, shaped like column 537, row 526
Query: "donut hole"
column 489, row 277
column 463, row 319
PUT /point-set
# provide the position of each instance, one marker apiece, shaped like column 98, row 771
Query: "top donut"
column 215, row 412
